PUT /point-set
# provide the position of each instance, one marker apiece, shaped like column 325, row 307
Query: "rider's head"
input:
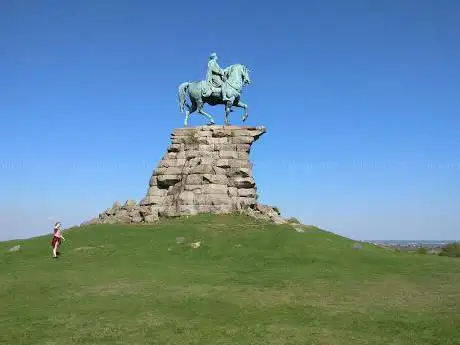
column 213, row 56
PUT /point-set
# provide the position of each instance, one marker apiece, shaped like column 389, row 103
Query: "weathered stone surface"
column 219, row 171
column 242, row 140
column 168, row 171
column 214, row 178
column 228, row 154
column 242, row 182
column 240, row 163
column 211, row 199
column 170, row 155
column 214, row 188
column 129, row 205
column 168, row 180
column 243, row 147
column 193, row 187
column 123, row 217
column 205, row 147
column 166, row 163
column 223, row 163
column 169, row 211
column 201, row 169
column 242, row 155
column 149, row 211
column 232, row 163
column 210, row 154
column 136, row 219
column 192, row 154
column 204, row 140
column 174, row 148
column 216, row 209
column 193, row 162
column 188, row 210
column 156, row 191
column 265, row 212
column 218, row 141
column 205, row 133
column 244, row 133
column 248, row 192
column 232, row 191
column 181, row 155
column 243, row 172
column 153, row 181
column 186, row 198
column 225, row 147
column 247, row 201
column 151, row 218
column 195, row 179
column 208, row 161
column 204, row 170
column 222, row 133
column 152, row 200
column 168, row 200
column 176, row 189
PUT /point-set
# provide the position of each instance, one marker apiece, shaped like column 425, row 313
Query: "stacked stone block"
column 205, row 170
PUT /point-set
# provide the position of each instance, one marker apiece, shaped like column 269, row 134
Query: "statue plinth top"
column 213, row 127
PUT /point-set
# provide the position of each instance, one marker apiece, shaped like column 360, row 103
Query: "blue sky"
column 360, row 98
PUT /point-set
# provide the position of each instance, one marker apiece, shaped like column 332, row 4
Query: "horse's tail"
column 182, row 93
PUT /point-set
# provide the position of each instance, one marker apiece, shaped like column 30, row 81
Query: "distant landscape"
column 434, row 247
column 416, row 243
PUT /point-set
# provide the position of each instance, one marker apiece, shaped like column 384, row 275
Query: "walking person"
column 57, row 239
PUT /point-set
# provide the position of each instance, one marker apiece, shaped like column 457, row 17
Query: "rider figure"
column 215, row 77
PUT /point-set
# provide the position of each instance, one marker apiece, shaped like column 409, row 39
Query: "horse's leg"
column 228, row 109
column 187, row 115
column 202, row 112
column 240, row 104
column 190, row 110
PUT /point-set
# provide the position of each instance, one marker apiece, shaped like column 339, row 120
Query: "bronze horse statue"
column 237, row 76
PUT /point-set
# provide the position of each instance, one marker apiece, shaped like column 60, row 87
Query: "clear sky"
column 361, row 100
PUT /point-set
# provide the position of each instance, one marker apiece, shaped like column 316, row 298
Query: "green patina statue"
column 222, row 86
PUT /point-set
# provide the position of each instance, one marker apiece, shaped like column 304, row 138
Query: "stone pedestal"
column 204, row 170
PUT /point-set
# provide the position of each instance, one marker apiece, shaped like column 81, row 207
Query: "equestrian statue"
column 222, row 86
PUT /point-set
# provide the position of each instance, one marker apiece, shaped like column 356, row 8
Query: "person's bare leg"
column 55, row 248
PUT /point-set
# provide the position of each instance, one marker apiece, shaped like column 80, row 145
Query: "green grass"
column 249, row 283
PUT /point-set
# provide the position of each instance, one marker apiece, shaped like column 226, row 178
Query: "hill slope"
column 248, row 283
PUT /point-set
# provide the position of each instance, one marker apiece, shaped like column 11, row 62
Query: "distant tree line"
column 451, row 250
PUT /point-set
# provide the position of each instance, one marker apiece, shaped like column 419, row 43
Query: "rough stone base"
column 131, row 212
column 204, row 170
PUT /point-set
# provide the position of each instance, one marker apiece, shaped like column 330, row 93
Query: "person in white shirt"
column 57, row 239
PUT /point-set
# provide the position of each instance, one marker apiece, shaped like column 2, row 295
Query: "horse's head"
column 244, row 71
column 240, row 72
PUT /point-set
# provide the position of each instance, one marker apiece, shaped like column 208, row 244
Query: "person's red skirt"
column 55, row 239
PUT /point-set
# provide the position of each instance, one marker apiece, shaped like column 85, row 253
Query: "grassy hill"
column 248, row 283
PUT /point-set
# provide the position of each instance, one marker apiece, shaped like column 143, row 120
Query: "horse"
column 237, row 76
